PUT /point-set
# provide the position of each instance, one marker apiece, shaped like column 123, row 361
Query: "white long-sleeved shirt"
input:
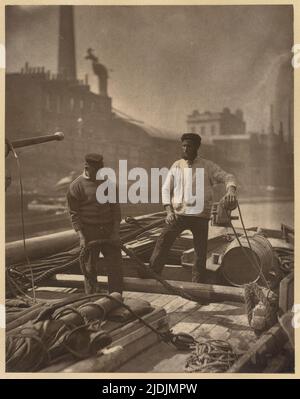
column 187, row 198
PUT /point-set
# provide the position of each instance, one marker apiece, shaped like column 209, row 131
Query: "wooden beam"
column 170, row 272
column 39, row 247
column 208, row 292
column 255, row 358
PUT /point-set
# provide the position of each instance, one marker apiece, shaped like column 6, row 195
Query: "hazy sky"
column 166, row 60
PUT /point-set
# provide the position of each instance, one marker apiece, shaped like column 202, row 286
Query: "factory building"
column 39, row 102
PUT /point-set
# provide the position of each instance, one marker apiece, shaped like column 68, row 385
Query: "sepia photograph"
column 149, row 189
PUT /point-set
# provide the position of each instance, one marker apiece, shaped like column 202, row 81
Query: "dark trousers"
column 113, row 258
column 199, row 229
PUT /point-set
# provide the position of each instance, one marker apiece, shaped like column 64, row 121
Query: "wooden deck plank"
column 175, row 304
column 178, row 315
column 189, row 306
column 242, row 339
column 149, row 297
column 145, row 296
column 214, row 321
column 162, row 300
column 201, row 313
column 230, row 324
column 191, row 321
column 165, row 358
column 131, row 294
column 206, row 321
column 210, row 320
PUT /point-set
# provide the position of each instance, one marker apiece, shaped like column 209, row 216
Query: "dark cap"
column 192, row 136
column 94, row 159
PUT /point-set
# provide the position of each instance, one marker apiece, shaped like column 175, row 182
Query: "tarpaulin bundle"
column 59, row 330
column 32, row 312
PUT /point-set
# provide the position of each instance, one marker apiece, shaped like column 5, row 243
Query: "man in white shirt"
column 188, row 212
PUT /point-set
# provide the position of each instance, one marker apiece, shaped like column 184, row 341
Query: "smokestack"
column 66, row 50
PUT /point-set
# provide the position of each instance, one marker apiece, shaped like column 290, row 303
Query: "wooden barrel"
column 238, row 266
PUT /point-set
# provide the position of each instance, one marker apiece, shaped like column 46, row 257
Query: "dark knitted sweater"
column 84, row 209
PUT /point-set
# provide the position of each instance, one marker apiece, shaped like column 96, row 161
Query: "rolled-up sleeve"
column 218, row 175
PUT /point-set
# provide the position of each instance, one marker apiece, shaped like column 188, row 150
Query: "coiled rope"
column 212, row 356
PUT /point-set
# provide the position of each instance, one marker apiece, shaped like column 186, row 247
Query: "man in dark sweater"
column 93, row 221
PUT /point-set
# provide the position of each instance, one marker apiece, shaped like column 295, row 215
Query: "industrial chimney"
column 66, row 45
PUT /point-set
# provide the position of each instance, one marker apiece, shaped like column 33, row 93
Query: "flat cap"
column 94, row 158
column 192, row 136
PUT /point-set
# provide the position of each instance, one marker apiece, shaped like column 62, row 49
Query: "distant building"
column 38, row 103
column 259, row 160
column 212, row 124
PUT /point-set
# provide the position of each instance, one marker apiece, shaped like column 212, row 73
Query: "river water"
column 259, row 214
column 266, row 214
